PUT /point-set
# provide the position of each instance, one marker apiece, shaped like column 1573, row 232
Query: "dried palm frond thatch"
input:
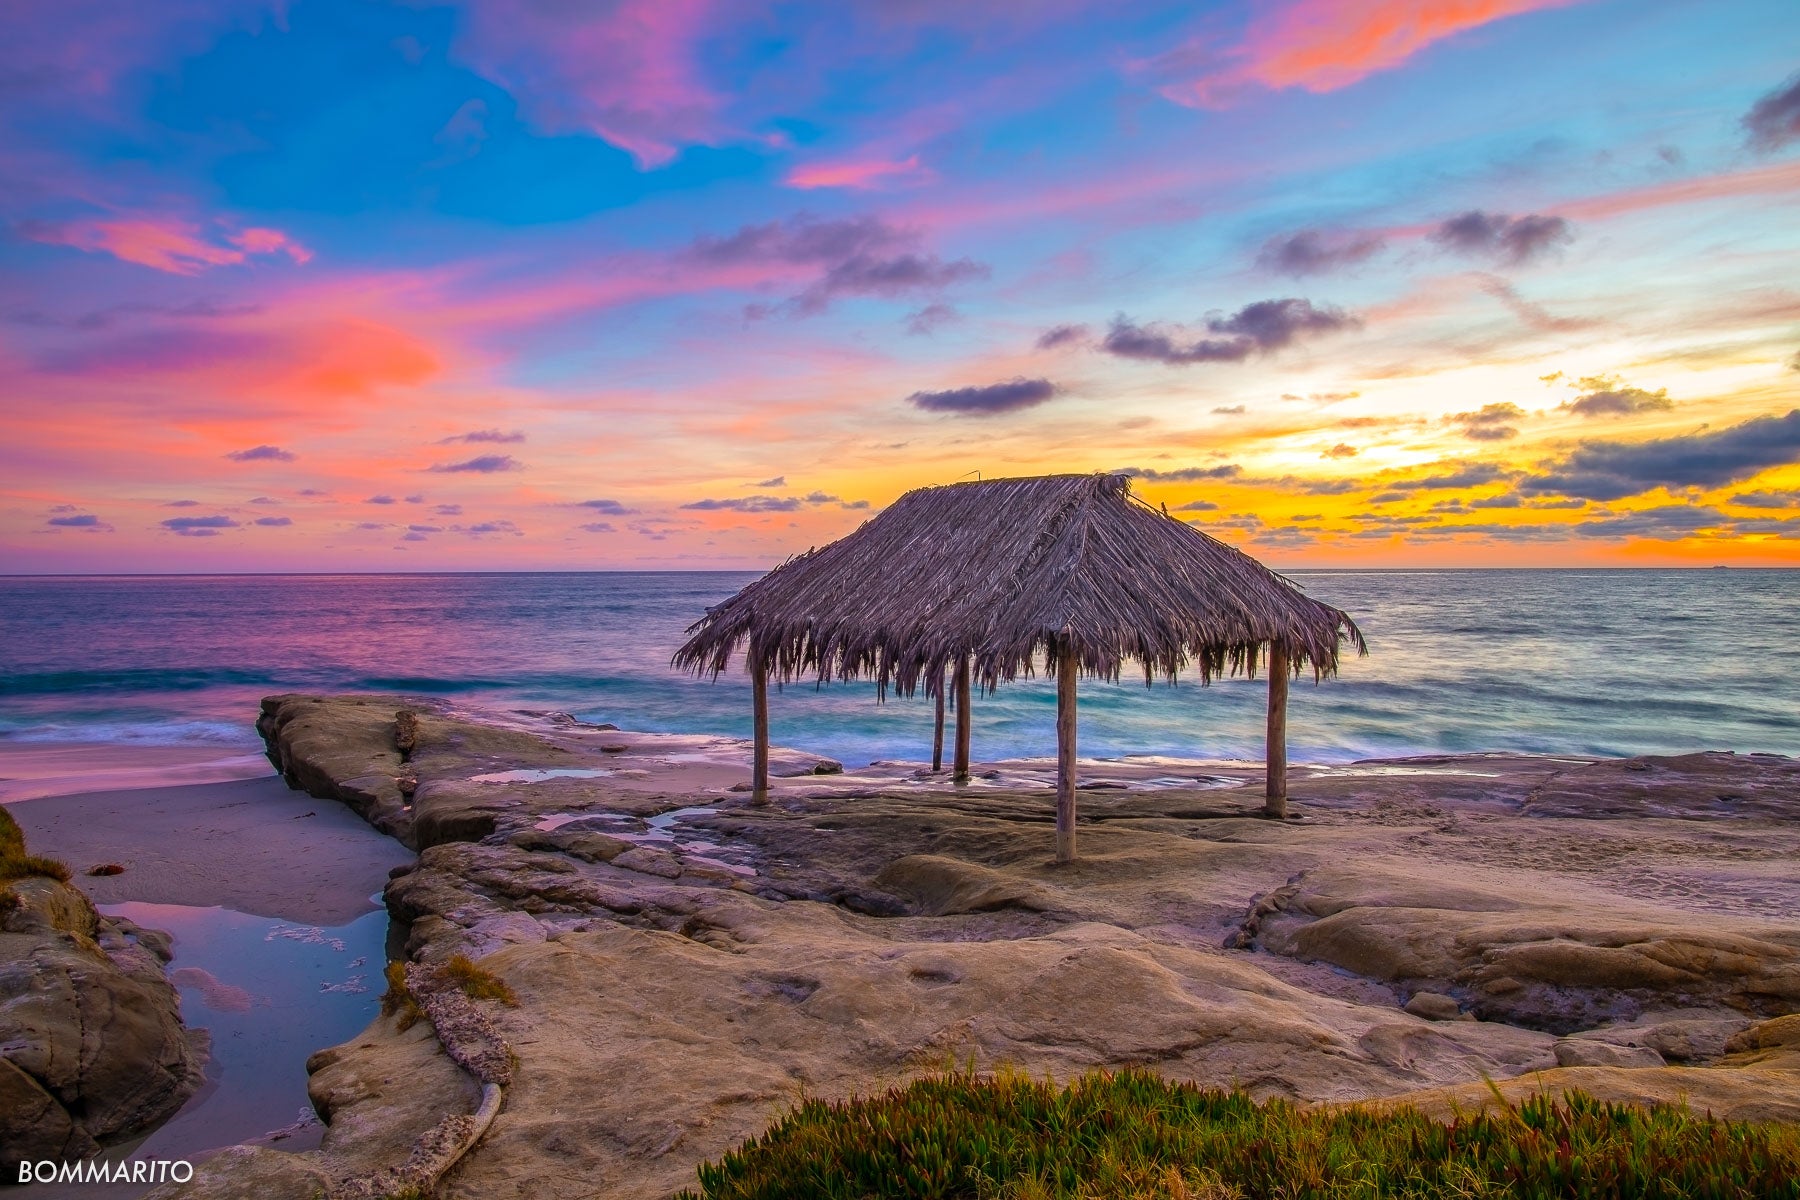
column 1006, row 570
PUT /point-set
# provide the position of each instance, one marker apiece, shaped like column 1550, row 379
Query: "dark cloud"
column 198, row 526
column 1610, row 470
column 182, row 504
column 274, row 521
column 1229, row 410
column 986, row 400
column 263, row 500
column 370, row 525
column 931, row 318
column 1774, row 120
column 1793, row 364
column 1322, row 487
column 1389, row 497
column 78, row 521
column 424, row 529
column 1465, row 475
column 1614, row 399
column 598, row 527
column 1196, row 506
column 1341, row 450
column 1512, row 240
column 856, row 256
column 383, row 499
column 825, row 498
column 487, row 527
column 262, row 454
column 313, row 492
column 1666, row 522
column 1489, row 423
column 1183, row 474
column 483, row 435
column 485, row 464
column 613, row 507
column 1503, row 500
column 1260, row 328
column 1061, row 335
column 415, row 498
column 447, row 510
column 748, row 504
column 1767, row 499
column 1316, row 252
column 777, row 481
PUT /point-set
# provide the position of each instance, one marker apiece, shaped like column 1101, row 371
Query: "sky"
column 345, row 285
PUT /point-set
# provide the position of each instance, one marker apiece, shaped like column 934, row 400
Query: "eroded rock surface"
column 92, row 1049
column 687, row 964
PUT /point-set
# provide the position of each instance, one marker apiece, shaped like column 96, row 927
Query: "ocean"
column 1603, row 662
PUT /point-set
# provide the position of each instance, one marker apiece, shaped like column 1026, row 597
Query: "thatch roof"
column 1005, row 569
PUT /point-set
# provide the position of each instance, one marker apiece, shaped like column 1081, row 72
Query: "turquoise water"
column 1597, row 662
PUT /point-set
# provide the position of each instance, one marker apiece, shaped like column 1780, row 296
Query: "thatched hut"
column 981, row 579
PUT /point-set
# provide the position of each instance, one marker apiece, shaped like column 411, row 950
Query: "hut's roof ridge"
column 1004, row 569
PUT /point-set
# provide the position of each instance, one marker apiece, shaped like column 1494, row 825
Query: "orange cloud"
column 166, row 243
column 1324, row 45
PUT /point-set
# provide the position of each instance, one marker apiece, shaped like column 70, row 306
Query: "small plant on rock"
column 477, row 982
column 398, row 1000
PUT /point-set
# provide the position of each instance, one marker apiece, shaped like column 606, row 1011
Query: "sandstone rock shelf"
column 687, row 963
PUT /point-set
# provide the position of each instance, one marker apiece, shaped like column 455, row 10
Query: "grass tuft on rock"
column 477, row 982
column 15, row 863
column 398, row 1000
column 1136, row 1135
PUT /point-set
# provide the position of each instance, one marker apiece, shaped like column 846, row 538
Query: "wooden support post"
column 937, row 734
column 759, row 707
column 1065, row 754
column 1275, row 751
column 960, row 771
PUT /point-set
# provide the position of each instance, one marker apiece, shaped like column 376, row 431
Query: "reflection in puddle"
column 663, row 831
column 269, row 993
column 535, row 775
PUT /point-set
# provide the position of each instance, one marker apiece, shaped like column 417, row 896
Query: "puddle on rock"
column 269, row 993
column 536, row 775
column 662, row 831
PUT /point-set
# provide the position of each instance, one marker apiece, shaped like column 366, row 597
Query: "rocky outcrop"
column 92, row 1049
column 687, row 963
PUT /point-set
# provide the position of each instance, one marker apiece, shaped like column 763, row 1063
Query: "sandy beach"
column 251, row 845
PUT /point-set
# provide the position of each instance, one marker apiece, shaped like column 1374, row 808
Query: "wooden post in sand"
column 1275, row 748
column 759, row 708
column 937, row 734
column 1065, row 752
column 960, row 770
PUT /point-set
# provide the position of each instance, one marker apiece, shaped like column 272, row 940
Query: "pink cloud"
column 626, row 71
column 865, row 175
column 1324, row 45
column 165, row 243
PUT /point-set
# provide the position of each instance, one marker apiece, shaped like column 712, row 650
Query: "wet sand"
column 251, row 845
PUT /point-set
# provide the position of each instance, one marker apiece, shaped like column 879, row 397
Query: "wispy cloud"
column 262, row 454
column 1318, row 252
column 169, row 244
column 485, row 464
column 478, row 436
column 1321, row 45
column 199, row 526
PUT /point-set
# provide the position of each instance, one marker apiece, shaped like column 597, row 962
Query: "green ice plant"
column 1135, row 1134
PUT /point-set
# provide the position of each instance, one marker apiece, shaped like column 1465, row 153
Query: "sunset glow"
column 513, row 284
